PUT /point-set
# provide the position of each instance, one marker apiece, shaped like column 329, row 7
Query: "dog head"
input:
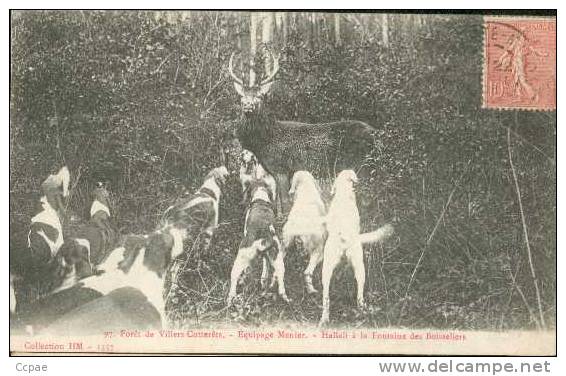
column 56, row 188
column 301, row 178
column 344, row 182
column 159, row 252
column 69, row 254
column 101, row 193
column 60, row 180
column 160, row 249
column 219, row 174
column 267, row 183
column 248, row 161
column 248, row 167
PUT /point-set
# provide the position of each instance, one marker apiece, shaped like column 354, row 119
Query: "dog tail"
column 378, row 235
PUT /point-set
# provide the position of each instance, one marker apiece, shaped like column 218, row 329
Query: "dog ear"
column 217, row 176
column 132, row 246
column 66, row 253
column 220, row 174
column 354, row 178
column 168, row 241
column 64, row 177
column 158, row 253
column 222, row 179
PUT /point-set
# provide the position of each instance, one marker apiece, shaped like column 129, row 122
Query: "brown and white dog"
column 306, row 222
column 259, row 235
column 198, row 213
column 344, row 238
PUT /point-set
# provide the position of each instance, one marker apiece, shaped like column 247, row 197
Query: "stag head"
column 252, row 95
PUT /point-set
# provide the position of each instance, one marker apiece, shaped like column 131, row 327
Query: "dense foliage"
column 143, row 99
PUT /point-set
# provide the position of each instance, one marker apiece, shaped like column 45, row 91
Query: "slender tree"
column 267, row 35
column 337, row 37
column 385, row 29
column 253, row 41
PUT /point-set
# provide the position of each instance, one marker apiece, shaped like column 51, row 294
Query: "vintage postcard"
column 223, row 182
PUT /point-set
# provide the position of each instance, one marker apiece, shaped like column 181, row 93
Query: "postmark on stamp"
column 519, row 63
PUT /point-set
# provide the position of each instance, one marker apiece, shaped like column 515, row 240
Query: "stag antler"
column 231, row 70
column 274, row 70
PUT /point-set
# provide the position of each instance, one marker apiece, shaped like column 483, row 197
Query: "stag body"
column 284, row 147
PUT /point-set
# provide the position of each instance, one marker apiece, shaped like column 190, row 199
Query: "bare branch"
column 429, row 240
column 525, row 231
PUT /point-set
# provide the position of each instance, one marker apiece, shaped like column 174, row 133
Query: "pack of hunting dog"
column 202, row 169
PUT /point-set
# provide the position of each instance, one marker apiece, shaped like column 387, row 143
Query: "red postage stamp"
column 519, row 63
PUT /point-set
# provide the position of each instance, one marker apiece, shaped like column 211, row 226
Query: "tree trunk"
column 418, row 21
column 266, row 37
column 337, row 37
column 253, row 42
column 284, row 26
column 314, row 29
column 267, row 27
column 278, row 18
column 385, row 30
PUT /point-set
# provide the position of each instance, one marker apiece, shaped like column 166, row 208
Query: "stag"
column 284, row 147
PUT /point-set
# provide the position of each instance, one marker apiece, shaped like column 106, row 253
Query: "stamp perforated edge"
column 484, row 62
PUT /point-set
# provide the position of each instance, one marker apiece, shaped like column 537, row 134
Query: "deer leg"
column 283, row 194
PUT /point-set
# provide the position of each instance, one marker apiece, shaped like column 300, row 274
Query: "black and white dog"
column 128, row 295
column 87, row 244
column 198, row 213
column 45, row 236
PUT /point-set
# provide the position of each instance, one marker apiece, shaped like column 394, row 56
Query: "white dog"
column 344, row 238
column 305, row 222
